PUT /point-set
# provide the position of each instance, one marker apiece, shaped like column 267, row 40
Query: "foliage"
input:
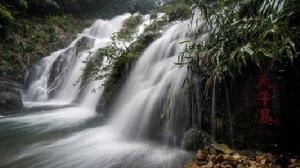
column 10, row 9
column 5, row 14
column 177, row 10
column 241, row 32
column 112, row 50
column 121, row 57
column 31, row 39
column 129, row 27
column 153, row 14
column 49, row 3
column 121, row 65
column 143, row 6
column 29, row 29
column 107, row 8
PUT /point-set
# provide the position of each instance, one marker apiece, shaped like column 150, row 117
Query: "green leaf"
column 233, row 53
column 5, row 14
column 247, row 2
column 280, row 7
column 247, row 49
column 243, row 59
column 23, row 4
column 290, row 54
column 266, row 52
column 291, row 43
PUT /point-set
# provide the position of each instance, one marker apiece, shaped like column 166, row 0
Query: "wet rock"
column 57, row 72
column 241, row 166
column 194, row 139
column 201, row 155
column 294, row 163
column 222, row 148
column 236, row 156
column 218, row 165
column 201, row 163
column 283, row 161
column 211, row 157
column 84, row 43
column 210, row 164
column 219, row 155
column 10, row 97
column 226, row 156
column 219, row 158
column 192, row 165
column 227, row 166
column 65, row 60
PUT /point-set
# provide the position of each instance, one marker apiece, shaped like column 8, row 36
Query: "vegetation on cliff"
column 28, row 40
column 121, row 55
column 32, row 29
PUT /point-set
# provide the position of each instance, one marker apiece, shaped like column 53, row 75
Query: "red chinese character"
column 263, row 81
column 263, row 96
column 265, row 117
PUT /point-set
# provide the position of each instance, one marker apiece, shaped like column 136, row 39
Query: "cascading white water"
column 70, row 63
column 120, row 143
column 154, row 76
column 55, row 81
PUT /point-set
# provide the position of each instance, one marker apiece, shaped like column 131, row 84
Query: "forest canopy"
column 10, row 10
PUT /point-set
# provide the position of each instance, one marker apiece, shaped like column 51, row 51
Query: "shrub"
column 242, row 32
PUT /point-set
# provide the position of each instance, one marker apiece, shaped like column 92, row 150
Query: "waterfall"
column 55, row 78
column 154, row 76
column 123, row 140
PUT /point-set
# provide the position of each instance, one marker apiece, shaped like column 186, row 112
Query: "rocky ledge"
column 220, row 156
column 10, row 97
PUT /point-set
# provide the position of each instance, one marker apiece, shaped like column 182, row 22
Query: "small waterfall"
column 38, row 78
column 55, row 78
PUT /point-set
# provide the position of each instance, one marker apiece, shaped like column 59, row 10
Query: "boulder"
column 222, row 148
column 84, row 43
column 10, row 97
column 194, row 139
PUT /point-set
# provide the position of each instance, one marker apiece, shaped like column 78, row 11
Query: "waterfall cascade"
column 55, row 78
column 122, row 141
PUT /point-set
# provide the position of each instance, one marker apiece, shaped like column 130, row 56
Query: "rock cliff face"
column 10, row 97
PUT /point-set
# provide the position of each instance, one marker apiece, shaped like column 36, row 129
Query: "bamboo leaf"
column 291, row 43
column 248, row 49
column 266, row 53
column 290, row 54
